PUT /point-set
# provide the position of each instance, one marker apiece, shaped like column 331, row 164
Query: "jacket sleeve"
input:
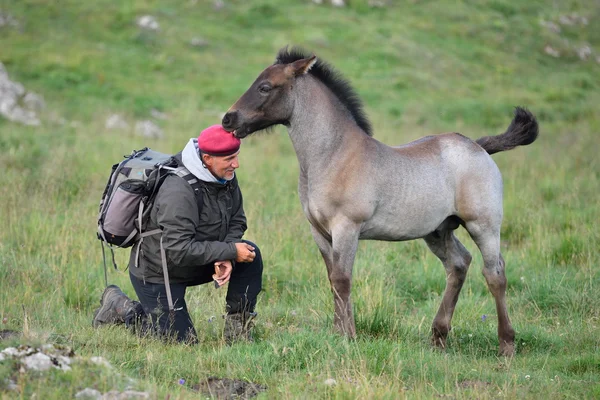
column 237, row 224
column 177, row 217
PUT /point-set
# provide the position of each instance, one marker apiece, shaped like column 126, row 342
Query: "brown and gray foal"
column 354, row 187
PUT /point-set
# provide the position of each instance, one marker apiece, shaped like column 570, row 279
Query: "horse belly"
column 406, row 221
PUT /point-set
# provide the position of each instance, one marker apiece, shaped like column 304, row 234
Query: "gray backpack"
column 127, row 201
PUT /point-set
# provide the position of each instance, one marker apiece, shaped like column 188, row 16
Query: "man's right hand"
column 245, row 252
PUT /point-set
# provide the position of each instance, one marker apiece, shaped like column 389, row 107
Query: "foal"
column 354, row 187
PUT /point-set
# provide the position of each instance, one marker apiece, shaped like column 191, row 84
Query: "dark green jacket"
column 192, row 241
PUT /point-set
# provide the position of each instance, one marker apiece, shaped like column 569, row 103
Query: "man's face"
column 222, row 167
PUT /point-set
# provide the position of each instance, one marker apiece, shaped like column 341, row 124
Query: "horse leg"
column 340, row 285
column 456, row 260
column 325, row 247
column 339, row 264
column 488, row 241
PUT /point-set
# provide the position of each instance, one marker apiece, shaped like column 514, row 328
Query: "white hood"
column 191, row 160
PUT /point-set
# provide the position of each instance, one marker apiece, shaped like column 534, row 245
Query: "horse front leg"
column 344, row 245
column 341, row 309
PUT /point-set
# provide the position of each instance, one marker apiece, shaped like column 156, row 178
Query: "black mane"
column 334, row 81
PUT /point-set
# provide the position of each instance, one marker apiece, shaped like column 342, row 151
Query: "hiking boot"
column 238, row 327
column 114, row 307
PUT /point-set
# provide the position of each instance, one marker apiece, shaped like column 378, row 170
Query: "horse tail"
column 523, row 130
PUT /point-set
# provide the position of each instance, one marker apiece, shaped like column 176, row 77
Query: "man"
column 200, row 245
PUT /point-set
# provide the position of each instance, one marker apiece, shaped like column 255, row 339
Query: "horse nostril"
column 228, row 120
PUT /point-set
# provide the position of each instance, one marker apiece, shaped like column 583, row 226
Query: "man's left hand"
column 222, row 272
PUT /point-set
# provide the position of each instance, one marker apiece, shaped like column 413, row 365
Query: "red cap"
column 216, row 141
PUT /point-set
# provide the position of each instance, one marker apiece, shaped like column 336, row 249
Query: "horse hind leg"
column 488, row 240
column 456, row 260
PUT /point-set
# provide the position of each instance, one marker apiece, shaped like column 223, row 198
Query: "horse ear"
column 301, row 67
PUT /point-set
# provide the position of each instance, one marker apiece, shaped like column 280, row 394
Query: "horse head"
column 267, row 102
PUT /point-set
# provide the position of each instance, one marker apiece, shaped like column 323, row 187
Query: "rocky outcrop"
column 18, row 104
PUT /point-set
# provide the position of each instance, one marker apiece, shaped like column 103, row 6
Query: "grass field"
column 421, row 67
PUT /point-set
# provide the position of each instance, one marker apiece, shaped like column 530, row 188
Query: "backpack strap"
column 194, row 182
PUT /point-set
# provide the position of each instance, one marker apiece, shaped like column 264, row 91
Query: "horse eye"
column 264, row 89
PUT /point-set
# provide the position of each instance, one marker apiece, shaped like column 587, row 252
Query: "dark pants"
column 152, row 314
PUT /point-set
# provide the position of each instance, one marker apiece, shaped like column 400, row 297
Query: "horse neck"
column 319, row 124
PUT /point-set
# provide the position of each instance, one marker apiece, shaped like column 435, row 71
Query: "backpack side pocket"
column 119, row 220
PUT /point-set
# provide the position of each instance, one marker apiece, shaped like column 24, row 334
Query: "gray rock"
column 116, row 122
column 89, row 394
column 148, row 22
column 198, row 42
column 158, row 114
column 148, row 129
column 551, row 51
column 7, row 20
column 126, row 395
column 551, row 26
column 34, row 102
column 219, row 5
column 100, row 361
column 16, row 104
column 584, row 52
column 37, row 362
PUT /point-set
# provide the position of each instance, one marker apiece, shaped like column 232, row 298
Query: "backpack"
column 127, row 201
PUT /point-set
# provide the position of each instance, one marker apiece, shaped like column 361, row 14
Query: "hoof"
column 438, row 341
column 507, row 349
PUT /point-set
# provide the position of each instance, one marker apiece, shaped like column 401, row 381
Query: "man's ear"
column 207, row 160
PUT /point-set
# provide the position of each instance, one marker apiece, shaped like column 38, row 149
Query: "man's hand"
column 222, row 272
column 245, row 252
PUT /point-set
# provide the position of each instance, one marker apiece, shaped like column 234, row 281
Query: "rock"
column 550, row 51
column 33, row 102
column 8, row 21
column 584, row 52
column 100, row 361
column 573, row 19
column 89, row 393
column 330, row 382
column 16, row 104
column 37, row 362
column 148, row 129
column 551, row 26
column 148, row 22
column 338, row 3
column 198, row 42
column 158, row 114
column 126, row 395
column 116, row 122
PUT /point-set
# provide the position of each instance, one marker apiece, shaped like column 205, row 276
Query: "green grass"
column 421, row 68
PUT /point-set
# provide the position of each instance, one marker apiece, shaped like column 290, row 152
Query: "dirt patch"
column 8, row 334
column 224, row 388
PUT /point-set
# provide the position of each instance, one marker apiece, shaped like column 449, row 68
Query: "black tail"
column 523, row 130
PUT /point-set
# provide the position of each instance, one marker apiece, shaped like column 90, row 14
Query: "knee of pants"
column 258, row 257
